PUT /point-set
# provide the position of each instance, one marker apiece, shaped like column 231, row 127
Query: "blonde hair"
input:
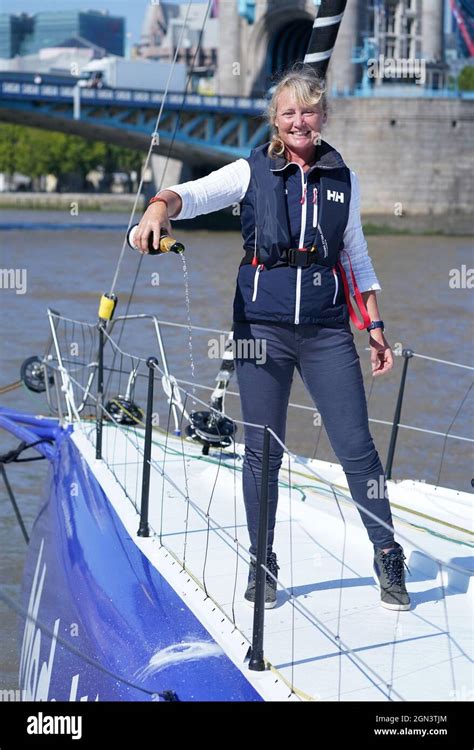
column 307, row 87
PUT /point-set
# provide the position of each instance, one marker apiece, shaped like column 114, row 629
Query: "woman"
column 302, row 234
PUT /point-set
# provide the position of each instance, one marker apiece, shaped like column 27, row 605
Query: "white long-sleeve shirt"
column 227, row 186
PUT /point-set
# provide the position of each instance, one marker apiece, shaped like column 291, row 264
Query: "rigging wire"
column 14, row 503
column 153, row 141
column 167, row 158
column 185, row 474
column 292, row 582
column 136, row 276
column 11, row 386
column 449, row 428
column 22, row 612
column 301, row 608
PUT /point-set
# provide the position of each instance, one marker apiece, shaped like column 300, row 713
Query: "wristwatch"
column 376, row 324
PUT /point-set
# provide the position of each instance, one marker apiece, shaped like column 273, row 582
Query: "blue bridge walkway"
column 211, row 129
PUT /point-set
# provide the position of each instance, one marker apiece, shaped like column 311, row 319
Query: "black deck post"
column 257, row 662
column 15, row 504
column 144, row 529
column 100, row 395
column 407, row 354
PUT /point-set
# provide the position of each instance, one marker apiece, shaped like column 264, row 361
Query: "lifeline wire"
column 360, row 664
column 21, row 611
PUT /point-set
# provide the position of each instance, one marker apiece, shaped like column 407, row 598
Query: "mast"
column 323, row 37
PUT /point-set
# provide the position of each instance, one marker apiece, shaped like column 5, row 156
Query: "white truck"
column 118, row 73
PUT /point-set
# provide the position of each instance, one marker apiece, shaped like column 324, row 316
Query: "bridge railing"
column 174, row 99
column 12, row 88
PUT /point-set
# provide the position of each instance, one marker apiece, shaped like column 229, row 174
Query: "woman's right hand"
column 154, row 221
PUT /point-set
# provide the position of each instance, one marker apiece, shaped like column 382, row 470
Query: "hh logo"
column 333, row 195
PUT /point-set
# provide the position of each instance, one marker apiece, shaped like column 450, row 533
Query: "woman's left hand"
column 381, row 355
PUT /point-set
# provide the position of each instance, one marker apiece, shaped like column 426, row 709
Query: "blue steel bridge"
column 211, row 129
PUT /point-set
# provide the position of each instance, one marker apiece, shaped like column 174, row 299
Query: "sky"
column 133, row 11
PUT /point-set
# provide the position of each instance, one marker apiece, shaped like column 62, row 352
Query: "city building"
column 67, row 58
column 196, row 38
column 15, row 30
column 24, row 34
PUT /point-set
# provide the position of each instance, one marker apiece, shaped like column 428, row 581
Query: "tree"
column 466, row 79
column 35, row 152
column 8, row 140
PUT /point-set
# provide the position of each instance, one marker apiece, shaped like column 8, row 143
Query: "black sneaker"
column 270, row 583
column 389, row 568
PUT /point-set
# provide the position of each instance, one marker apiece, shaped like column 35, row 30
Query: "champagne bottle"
column 167, row 244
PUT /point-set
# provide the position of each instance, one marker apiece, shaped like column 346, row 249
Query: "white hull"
column 333, row 640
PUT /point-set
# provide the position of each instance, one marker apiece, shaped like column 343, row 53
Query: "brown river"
column 66, row 263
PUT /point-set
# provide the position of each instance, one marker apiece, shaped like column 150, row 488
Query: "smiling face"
column 299, row 125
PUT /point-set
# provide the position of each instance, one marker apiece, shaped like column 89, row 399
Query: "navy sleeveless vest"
column 271, row 290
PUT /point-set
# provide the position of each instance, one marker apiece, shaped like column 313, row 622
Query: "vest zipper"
column 255, row 281
column 304, row 205
column 315, row 207
column 336, row 283
column 254, row 259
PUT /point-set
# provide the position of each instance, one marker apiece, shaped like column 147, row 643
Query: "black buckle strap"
column 300, row 257
column 293, row 257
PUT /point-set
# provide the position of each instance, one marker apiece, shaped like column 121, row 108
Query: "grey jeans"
column 329, row 365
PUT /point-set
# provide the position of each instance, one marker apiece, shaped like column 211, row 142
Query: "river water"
column 66, row 263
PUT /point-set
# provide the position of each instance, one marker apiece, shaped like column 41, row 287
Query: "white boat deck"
column 333, row 641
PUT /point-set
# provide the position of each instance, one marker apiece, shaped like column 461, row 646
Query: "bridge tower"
column 258, row 40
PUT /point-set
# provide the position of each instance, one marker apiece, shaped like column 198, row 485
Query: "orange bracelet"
column 157, row 198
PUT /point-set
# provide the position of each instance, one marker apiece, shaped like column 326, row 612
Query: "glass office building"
column 26, row 35
column 15, row 31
